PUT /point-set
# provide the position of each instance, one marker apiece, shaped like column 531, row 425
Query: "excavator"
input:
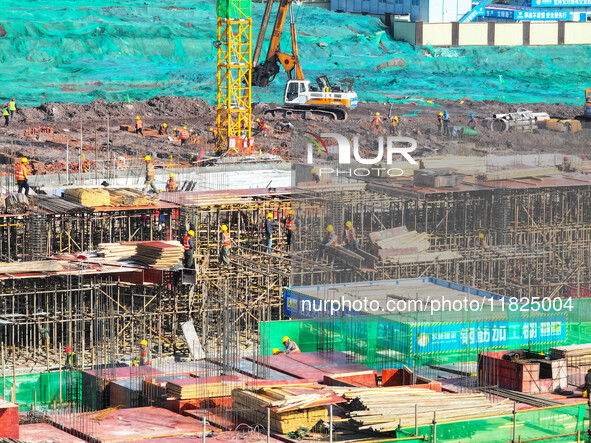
column 301, row 97
column 585, row 119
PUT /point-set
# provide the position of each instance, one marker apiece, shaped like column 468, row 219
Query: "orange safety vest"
column 163, row 128
column 139, row 124
column 144, row 354
column 290, row 224
column 150, row 170
column 184, row 134
column 377, row 119
column 171, row 184
column 20, row 173
column 226, row 238
column 186, row 244
column 439, row 120
column 350, row 232
column 329, row 236
column 297, row 348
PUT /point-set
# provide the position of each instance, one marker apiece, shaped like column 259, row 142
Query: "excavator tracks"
column 308, row 114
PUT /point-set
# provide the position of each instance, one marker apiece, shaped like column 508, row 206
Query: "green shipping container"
column 234, row 9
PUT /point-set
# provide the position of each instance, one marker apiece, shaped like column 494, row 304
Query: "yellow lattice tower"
column 234, row 75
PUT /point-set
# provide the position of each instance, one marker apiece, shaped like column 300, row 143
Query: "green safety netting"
column 80, row 51
column 42, row 389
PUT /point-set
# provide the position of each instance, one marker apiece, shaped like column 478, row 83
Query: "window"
column 415, row 2
column 398, row 2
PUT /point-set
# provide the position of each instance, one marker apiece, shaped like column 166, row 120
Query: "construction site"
column 324, row 267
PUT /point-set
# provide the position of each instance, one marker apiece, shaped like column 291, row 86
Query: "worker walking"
column 331, row 236
column 351, row 241
column 473, row 122
column 139, row 126
column 162, row 129
column 226, row 245
column 269, row 225
column 439, row 123
column 150, row 174
column 446, row 122
column 71, row 358
column 170, row 184
column 290, row 346
column 184, row 136
column 315, row 176
column 394, row 128
column 144, row 358
column 6, row 114
column 376, row 123
column 189, row 249
column 22, row 179
column 12, row 108
column 291, row 228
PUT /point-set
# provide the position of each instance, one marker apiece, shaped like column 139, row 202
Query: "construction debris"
column 16, row 203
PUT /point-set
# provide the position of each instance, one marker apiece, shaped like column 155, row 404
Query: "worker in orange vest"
column 439, row 123
column 290, row 346
column 171, row 185
column 315, row 176
column 139, row 126
column 226, row 245
column 351, row 241
column 189, row 249
column 21, row 177
column 184, row 136
column 162, row 129
column 144, row 358
column 331, row 236
column 376, row 122
column 150, row 174
column 291, row 228
column 394, row 127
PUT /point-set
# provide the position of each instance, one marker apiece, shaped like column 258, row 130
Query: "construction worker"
column 394, row 128
column 170, row 184
column 184, row 136
column 189, row 248
column 439, row 123
column 6, row 114
column 162, row 129
column 331, row 236
column 214, row 135
column 85, row 164
column 481, row 241
column 351, row 241
column 262, row 127
column 587, row 386
column 291, row 228
column 290, row 346
column 139, row 126
column 315, row 176
column 473, row 122
column 150, row 175
column 22, row 180
column 277, row 351
column 446, row 122
column 144, row 358
column 269, row 225
column 12, row 108
column 71, row 358
column 226, row 245
column 376, row 122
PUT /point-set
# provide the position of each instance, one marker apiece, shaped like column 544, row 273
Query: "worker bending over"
column 144, row 358
column 22, row 179
column 277, row 351
column 171, row 184
column 226, row 245
column 290, row 346
column 139, row 126
column 189, row 248
column 351, row 241
column 473, row 122
column 150, row 175
column 162, row 129
column 331, row 236
column 71, row 358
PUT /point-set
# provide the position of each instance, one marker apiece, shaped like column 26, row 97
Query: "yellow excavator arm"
column 264, row 73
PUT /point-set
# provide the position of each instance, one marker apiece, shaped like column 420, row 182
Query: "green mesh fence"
column 42, row 389
column 115, row 49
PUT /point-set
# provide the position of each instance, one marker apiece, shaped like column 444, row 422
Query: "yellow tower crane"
column 234, row 67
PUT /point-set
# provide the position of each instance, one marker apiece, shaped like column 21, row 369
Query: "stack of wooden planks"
column 291, row 406
column 206, row 387
column 88, row 196
column 576, row 355
column 117, row 251
column 397, row 242
column 385, row 409
column 130, row 197
column 159, row 254
column 519, row 171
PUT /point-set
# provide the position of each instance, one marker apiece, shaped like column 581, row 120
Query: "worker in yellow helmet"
column 21, row 176
column 315, row 176
column 162, row 129
column 351, row 241
column 290, row 346
column 376, row 123
column 139, row 126
column 226, row 241
column 277, row 351
column 291, row 228
column 184, row 136
column 481, row 241
column 395, row 126
column 189, row 248
column 269, row 225
column 144, row 357
column 439, row 123
column 150, row 175
column 587, row 386
column 331, row 236
column 171, row 184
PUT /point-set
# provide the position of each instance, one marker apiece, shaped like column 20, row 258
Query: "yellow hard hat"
column 274, row 351
column 481, row 235
column 441, row 113
column 24, row 160
column 292, row 212
column 377, row 113
column 147, row 158
column 174, row 129
column 224, row 228
column 258, row 120
column 330, row 228
column 211, row 129
column 171, row 175
column 191, row 233
column 348, row 224
column 284, row 339
column 313, row 170
column 269, row 215
column 138, row 117
column 164, row 124
column 395, row 117
column 144, row 342
column 184, row 127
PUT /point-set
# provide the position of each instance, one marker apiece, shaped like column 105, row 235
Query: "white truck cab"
column 303, row 93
